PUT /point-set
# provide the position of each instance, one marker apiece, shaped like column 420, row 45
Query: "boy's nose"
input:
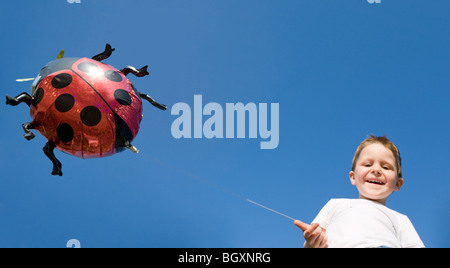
column 376, row 170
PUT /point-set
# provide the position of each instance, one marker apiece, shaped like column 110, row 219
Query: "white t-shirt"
column 351, row 223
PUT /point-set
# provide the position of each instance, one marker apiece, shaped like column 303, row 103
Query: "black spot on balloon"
column 91, row 116
column 38, row 95
column 61, row 80
column 64, row 103
column 64, row 132
column 113, row 76
column 122, row 97
column 87, row 67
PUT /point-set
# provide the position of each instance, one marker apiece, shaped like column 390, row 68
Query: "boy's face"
column 375, row 173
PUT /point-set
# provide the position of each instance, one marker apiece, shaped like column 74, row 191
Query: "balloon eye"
column 34, row 85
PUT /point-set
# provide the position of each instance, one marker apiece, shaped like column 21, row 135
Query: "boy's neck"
column 382, row 201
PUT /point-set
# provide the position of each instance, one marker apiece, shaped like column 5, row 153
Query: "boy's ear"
column 352, row 177
column 398, row 184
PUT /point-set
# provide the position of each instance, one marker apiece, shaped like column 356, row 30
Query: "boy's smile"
column 375, row 173
column 375, row 181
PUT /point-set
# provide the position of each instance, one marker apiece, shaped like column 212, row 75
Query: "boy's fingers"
column 301, row 225
column 311, row 229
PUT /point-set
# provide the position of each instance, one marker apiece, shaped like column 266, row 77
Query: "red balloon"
column 84, row 107
column 78, row 109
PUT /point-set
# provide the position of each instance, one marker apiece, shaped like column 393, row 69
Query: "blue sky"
column 340, row 70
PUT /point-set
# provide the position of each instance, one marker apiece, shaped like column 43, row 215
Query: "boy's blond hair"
column 383, row 141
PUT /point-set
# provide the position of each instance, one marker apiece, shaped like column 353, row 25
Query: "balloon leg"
column 23, row 97
column 28, row 134
column 48, row 150
column 139, row 73
column 152, row 101
column 131, row 147
column 105, row 54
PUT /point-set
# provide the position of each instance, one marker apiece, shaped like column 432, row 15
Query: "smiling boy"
column 365, row 222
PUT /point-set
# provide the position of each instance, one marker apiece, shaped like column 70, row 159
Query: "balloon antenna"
column 60, row 54
column 24, row 79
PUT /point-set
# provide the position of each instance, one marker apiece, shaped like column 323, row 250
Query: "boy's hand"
column 315, row 235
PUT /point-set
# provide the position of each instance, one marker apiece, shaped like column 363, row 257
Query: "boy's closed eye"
column 387, row 166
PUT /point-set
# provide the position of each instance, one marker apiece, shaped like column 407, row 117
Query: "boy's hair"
column 383, row 141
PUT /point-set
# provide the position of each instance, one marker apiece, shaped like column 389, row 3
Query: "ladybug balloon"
column 84, row 107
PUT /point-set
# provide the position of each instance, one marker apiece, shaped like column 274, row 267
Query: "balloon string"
column 181, row 171
column 269, row 209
